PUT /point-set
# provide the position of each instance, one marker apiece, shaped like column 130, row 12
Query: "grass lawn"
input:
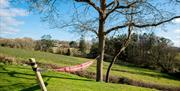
column 135, row 73
column 178, row 57
column 22, row 78
column 140, row 74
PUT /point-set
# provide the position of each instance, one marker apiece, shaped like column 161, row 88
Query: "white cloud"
column 12, row 12
column 176, row 20
column 173, row 35
column 9, row 30
column 177, row 31
column 8, row 22
column 7, row 27
column 177, row 38
column 177, row 42
column 4, row 3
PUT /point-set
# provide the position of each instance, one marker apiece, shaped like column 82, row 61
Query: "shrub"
column 7, row 60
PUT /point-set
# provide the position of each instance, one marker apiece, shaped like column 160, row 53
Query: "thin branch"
column 88, row 29
column 108, row 13
column 120, row 7
column 126, row 13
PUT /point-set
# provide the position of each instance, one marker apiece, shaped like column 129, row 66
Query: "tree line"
column 47, row 44
column 145, row 50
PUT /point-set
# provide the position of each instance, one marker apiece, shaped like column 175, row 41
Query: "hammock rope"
column 74, row 68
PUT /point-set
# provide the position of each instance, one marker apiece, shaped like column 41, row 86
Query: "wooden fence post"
column 38, row 74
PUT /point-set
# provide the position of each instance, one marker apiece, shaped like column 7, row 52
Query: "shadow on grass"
column 14, row 74
column 18, row 75
column 31, row 76
column 33, row 88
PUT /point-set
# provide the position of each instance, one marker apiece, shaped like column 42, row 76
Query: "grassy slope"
column 22, row 78
column 44, row 57
column 140, row 74
column 178, row 57
column 134, row 73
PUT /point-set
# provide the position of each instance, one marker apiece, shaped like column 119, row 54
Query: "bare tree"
column 104, row 17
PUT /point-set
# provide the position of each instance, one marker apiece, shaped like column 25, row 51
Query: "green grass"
column 22, row 78
column 140, row 74
column 178, row 57
column 135, row 73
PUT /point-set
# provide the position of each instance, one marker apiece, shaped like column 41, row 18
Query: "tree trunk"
column 112, row 62
column 99, row 66
column 101, row 36
column 118, row 53
column 109, row 68
column 101, row 45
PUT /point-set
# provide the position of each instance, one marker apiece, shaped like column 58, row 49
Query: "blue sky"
column 16, row 22
column 35, row 28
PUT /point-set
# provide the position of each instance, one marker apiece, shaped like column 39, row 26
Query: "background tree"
column 103, row 17
column 73, row 44
column 45, row 43
column 94, row 49
column 146, row 50
column 82, row 45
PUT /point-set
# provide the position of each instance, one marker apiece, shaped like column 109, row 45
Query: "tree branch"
column 141, row 26
column 92, row 4
column 112, row 10
column 129, row 5
column 154, row 24
column 115, row 28
column 110, row 4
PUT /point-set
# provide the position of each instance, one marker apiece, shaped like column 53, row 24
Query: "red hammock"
column 75, row 68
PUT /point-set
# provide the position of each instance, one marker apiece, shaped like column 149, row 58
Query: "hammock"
column 75, row 67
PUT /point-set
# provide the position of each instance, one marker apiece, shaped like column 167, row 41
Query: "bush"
column 7, row 60
column 24, row 43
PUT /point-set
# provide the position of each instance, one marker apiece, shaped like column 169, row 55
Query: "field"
column 73, row 82
column 19, row 78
